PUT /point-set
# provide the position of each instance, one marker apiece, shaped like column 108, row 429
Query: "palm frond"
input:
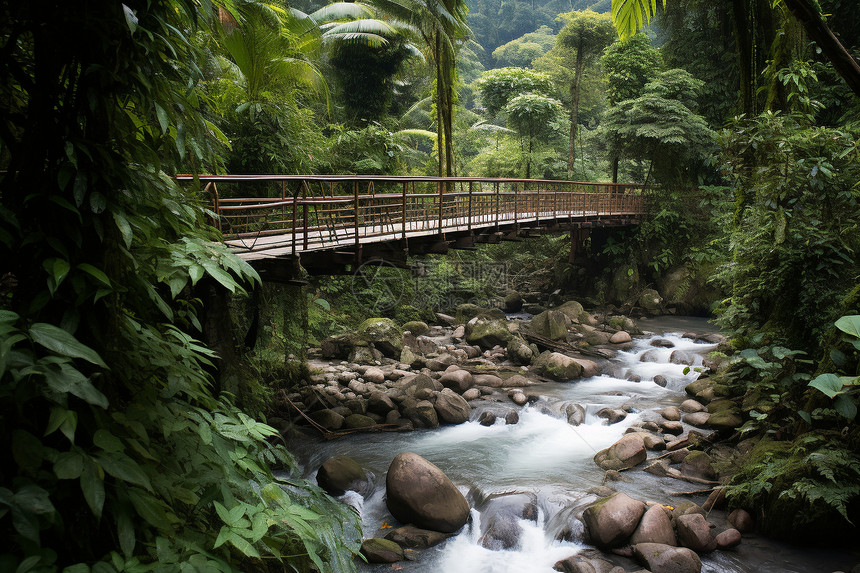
column 341, row 11
column 630, row 16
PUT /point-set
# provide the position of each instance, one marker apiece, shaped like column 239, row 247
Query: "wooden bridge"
column 331, row 221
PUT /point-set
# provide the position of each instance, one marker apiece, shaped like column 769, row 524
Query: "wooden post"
column 355, row 211
column 305, row 215
column 441, row 214
column 516, row 205
column 469, row 224
column 403, row 222
column 295, row 197
column 497, row 206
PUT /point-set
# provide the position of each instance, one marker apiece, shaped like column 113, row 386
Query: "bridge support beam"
column 578, row 237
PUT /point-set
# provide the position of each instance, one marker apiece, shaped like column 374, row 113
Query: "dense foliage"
column 118, row 452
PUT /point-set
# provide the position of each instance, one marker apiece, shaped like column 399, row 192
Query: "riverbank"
column 546, row 459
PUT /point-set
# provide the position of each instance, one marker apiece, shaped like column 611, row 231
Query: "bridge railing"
column 317, row 211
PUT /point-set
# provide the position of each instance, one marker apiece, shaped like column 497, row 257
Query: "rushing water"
column 550, row 460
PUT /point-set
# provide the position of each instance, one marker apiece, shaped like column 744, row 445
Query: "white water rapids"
column 548, row 458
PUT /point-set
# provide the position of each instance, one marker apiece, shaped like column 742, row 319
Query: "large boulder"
column 416, row 327
column 488, row 333
column 660, row 558
column 651, row 301
column 550, row 324
column 624, row 281
column 574, row 311
column 328, row 419
column 610, row 521
column 694, row 532
column 627, row 452
column 513, row 302
column 557, row 366
column 380, row 403
column 420, row 493
column 655, row 527
column 698, row 465
column 384, row 334
column 340, row 346
column 451, row 408
column 340, row 474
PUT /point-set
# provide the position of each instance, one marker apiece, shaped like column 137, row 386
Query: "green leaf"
column 97, row 274
column 195, row 271
column 69, row 465
column 829, row 384
column 123, row 467
column 93, row 488
column 130, row 19
column 58, row 340
column 107, row 441
column 163, row 121
column 845, row 406
column 28, row 563
column 27, row 450
column 34, row 499
column 124, row 228
column 149, row 508
column 77, row 568
column 125, row 532
column 850, row 325
column 64, row 420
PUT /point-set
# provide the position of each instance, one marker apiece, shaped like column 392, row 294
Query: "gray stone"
column 512, row 417
column 358, row 421
column 457, row 380
column 417, row 327
column 374, row 375
column 728, row 539
column 451, row 408
column 380, row 403
column 488, row 333
column 518, row 351
column 612, row 415
column 620, row 337
column 681, row 357
column 557, row 366
column 416, row 538
column 383, row 334
column 340, row 474
column 691, row 406
column 660, row 380
column 487, row 418
column 671, row 413
column 490, row 380
column 575, row 414
column 550, row 324
column 328, row 419
column 741, row 520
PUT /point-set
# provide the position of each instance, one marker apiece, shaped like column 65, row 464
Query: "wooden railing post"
column 403, row 222
column 441, row 189
column 497, row 206
column 295, row 214
column 469, row 224
column 355, row 212
column 304, row 215
column 516, row 204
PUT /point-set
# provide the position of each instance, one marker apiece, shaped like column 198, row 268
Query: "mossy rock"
column 417, row 327
column 488, row 333
column 624, row 282
column 651, row 301
column 384, row 334
column 550, row 324
column 378, row 550
column 357, row 421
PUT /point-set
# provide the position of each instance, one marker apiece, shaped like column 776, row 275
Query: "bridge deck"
column 313, row 214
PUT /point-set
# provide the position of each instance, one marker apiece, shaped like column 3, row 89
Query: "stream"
column 550, row 459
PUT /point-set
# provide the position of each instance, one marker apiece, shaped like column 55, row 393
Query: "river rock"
column 519, row 398
column 457, row 380
column 612, row 415
column 340, row 474
column 681, row 357
column 627, row 452
column 674, row 428
column 412, row 384
column 422, row 415
column 365, row 355
column 384, row 334
column 699, row 419
column 660, row 380
column 651, row 301
column 418, row 492
column 518, row 381
column 671, row 413
column 358, row 421
column 377, row 550
column 550, row 324
column 724, row 415
column 609, row 522
column 728, row 539
column 654, row 527
column 374, row 375
column 652, row 355
column 441, row 363
column 660, row 558
column 653, row 443
column 518, row 351
column 513, row 301
column 578, row 564
column 487, row 418
column 488, row 333
column 575, row 414
column 694, row 532
column 698, row 465
column 500, row 519
column 328, row 419
column 356, row 405
column 489, row 380
column 415, row 537
column 741, row 520
column 620, row 337
column 662, row 343
column 589, row 367
column 471, row 394
column 459, row 332
column 690, row 406
column 468, row 311
column 512, row 417
column 451, row 408
column 417, row 327
column 380, row 403
column 557, row 366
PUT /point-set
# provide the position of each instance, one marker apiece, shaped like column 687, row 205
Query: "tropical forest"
column 433, row 286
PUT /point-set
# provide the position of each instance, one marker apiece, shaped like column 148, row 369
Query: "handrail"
column 353, row 209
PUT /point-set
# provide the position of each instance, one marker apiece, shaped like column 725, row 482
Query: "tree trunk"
column 744, row 47
column 574, row 109
column 844, row 64
column 440, row 146
column 449, row 71
column 615, row 161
